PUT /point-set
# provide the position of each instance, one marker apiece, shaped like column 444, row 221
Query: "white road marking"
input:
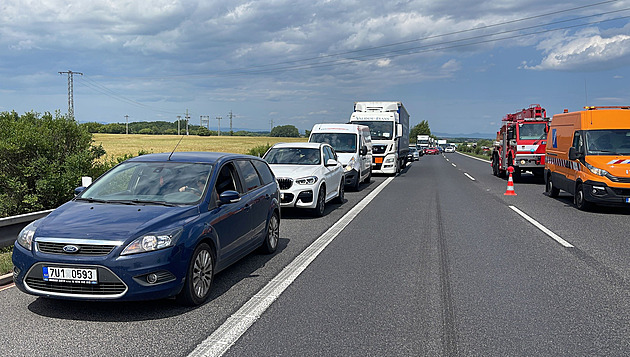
column 453, row 164
column 470, row 177
column 237, row 324
column 551, row 234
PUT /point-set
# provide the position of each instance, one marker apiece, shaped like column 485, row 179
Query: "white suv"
column 309, row 174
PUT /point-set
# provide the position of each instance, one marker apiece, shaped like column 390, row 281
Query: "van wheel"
column 356, row 182
column 581, row 203
column 368, row 178
column 552, row 191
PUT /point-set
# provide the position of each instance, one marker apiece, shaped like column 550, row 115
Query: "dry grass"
column 117, row 145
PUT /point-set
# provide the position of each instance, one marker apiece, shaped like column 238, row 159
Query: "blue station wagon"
column 155, row 226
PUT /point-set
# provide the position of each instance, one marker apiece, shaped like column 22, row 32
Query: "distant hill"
column 489, row 136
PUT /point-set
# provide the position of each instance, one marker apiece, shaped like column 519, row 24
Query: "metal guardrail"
column 10, row 227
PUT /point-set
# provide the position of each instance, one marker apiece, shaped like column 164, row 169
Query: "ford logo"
column 71, row 248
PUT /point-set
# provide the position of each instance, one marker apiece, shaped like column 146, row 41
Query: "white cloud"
column 586, row 50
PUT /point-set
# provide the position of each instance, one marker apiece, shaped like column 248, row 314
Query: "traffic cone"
column 510, row 186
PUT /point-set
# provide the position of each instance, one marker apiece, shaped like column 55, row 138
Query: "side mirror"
column 399, row 130
column 363, row 150
column 574, row 154
column 331, row 162
column 78, row 190
column 229, row 197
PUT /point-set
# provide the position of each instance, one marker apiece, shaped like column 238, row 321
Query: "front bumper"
column 119, row 277
column 351, row 176
column 300, row 196
column 601, row 193
column 530, row 161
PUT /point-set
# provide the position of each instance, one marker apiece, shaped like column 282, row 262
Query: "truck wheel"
column 495, row 166
column 552, row 191
column 581, row 203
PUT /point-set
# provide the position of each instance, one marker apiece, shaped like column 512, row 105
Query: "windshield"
column 608, row 142
column 150, row 183
column 341, row 142
column 531, row 131
column 293, row 156
column 379, row 130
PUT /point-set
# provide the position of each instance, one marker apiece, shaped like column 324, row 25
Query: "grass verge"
column 6, row 265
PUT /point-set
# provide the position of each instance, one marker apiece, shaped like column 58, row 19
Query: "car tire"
column 321, row 203
column 552, row 190
column 199, row 276
column 580, row 202
column 270, row 243
column 340, row 195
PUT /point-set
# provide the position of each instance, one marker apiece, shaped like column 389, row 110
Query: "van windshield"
column 341, row 142
column 608, row 142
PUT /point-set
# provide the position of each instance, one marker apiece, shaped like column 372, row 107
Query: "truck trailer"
column 389, row 129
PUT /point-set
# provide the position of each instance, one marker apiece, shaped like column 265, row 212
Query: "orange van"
column 588, row 156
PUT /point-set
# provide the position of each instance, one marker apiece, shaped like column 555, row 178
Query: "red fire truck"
column 521, row 142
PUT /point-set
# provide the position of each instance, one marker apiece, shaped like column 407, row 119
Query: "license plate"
column 378, row 160
column 74, row 275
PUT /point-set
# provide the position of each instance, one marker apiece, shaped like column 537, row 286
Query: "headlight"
column 25, row 238
column 389, row 160
column 595, row 170
column 152, row 242
column 306, row 180
column 350, row 165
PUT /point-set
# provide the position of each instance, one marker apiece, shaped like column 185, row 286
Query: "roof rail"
column 607, row 107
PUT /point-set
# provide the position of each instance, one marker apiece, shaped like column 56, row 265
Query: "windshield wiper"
column 162, row 203
column 98, row 200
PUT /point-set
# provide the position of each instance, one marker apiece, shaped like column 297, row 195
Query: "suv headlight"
column 596, row 170
column 306, row 180
column 25, row 238
column 152, row 242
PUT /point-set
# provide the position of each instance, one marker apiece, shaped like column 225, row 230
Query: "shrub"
column 259, row 150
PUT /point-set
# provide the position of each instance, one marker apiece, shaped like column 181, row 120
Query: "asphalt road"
column 439, row 263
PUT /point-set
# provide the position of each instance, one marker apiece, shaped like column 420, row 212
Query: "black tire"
column 517, row 173
column 495, row 166
column 551, row 190
column 340, row 194
column 321, row 203
column 270, row 244
column 199, row 277
column 356, row 183
column 580, row 202
column 368, row 179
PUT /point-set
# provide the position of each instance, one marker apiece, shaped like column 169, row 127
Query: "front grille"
column 84, row 249
column 379, row 149
column 618, row 179
column 621, row 191
column 285, row 183
column 76, row 289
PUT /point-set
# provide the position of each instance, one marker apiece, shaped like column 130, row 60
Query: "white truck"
column 423, row 142
column 389, row 129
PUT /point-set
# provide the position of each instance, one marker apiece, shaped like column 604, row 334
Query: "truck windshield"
column 341, row 142
column 531, row 131
column 379, row 130
column 608, row 142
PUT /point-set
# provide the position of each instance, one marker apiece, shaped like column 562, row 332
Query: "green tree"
column 420, row 129
column 42, row 159
column 285, row 131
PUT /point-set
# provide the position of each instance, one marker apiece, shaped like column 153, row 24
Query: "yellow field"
column 117, row 145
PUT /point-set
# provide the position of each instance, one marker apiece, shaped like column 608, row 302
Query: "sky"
column 461, row 65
